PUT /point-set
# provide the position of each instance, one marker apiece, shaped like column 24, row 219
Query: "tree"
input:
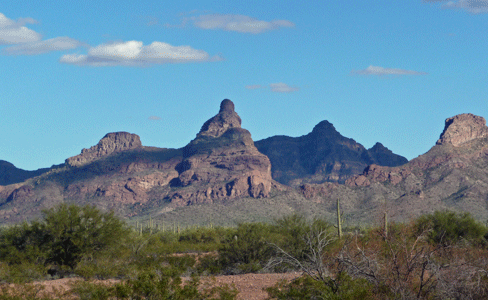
column 74, row 232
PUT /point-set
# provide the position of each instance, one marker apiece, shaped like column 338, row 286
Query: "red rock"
column 110, row 143
column 463, row 128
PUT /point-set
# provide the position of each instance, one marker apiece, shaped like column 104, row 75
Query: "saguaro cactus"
column 340, row 220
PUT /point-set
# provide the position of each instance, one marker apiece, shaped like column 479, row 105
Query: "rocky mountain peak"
column 222, row 163
column 110, row 143
column 225, row 119
column 227, row 106
column 378, row 147
column 325, row 128
column 463, row 128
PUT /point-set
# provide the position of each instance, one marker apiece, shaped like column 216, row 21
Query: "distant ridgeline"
column 222, row 176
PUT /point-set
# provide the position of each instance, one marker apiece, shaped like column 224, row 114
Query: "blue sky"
column 380, row 71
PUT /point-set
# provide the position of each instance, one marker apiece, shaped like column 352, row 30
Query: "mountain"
column 222, row 178
column 452, row 175
column 10, row 174
column 121, row 174
column 323, row 155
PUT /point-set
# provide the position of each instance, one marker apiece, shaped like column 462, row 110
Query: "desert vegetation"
column 443, row 255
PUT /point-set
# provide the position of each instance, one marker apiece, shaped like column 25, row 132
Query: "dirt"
column 250, row 286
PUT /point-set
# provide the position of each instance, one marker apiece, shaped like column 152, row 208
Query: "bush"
column 448, row 228
column 247, row 249
column 57, row 244
column 73, row 232
column 343, row 287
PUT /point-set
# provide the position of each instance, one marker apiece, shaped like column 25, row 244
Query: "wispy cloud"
column 274, row 87
column 253, row 86
column 239, row 23
column 230, row 22
column 134, row 53
column 472, row 6
column 380, row 71
column 154, row 118
column 14, row 32
column 282, row 88
column 39, row 47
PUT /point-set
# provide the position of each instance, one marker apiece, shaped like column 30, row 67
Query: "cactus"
column 340, row 220
column 385, row 224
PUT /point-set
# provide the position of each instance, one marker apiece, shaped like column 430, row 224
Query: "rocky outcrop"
column 463, row 128
column 310, row 191
column 110, row 143
column 375, row 173
column 222, row 163
column 323, row 155
column 226, row 118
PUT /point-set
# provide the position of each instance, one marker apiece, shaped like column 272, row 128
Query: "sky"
column 379, row 70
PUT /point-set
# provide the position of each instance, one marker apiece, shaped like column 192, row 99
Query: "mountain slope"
column 323, row 155
column 9, row 174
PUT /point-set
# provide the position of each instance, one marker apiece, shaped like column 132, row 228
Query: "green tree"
column 73, row 232
column 448, row 227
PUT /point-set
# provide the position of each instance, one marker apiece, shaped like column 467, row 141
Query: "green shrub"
column 342, row 287
column 247, row 249
column 447, row 228
column 56, row 245
column 73, row 232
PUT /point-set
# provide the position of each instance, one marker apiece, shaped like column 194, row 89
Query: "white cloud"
column 39, row 47
column 472, row 6
column 380, row 71
column 134, row 53
column 239, row 23
column 282, row 88
column 14, row 32
column 253, row 86
column 274, row 87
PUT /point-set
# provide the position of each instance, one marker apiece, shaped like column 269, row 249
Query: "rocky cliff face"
column 110, row 143
column 222, row 163
column 463, row 128
column 323, row 155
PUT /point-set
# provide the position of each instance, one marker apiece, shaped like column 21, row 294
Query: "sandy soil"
column 250, row 286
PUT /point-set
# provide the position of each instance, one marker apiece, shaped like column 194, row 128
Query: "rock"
column 22, row 192
column 310, row 191
column 222, row 163
column 225, row 119
column 463, row 128
column 110, row 143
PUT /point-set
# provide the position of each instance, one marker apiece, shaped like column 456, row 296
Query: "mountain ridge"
column 222, row 173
